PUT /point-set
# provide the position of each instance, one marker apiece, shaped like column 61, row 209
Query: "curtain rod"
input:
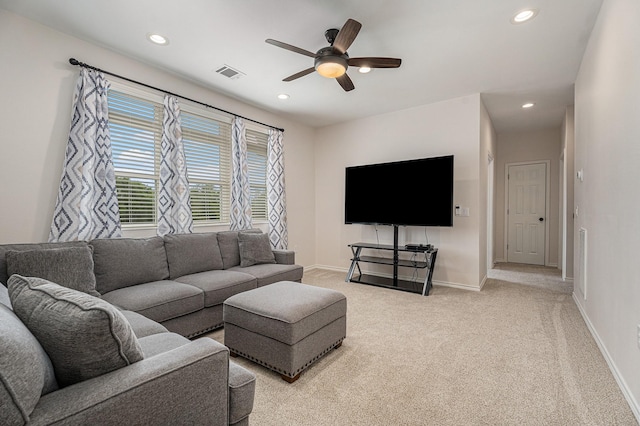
column 74, row 61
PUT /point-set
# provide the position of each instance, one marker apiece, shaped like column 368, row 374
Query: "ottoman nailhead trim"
column 286, row 373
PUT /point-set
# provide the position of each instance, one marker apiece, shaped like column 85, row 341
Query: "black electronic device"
column 408, row 193
column 418, row 247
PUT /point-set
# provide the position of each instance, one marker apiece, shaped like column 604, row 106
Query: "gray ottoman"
column 285, row 326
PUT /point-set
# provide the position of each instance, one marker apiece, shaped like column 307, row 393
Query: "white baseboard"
column 483, row 282
column 635, row 407
column 499, row 261
column 456, row 285
column 326, row 267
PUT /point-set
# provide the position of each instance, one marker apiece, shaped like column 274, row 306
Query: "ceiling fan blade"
column 347, row 34
column 299, row 74
column 375, row 62
column 290, row 47
column 345, row 82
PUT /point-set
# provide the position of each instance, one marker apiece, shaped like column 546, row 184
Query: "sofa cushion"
column 4, row 276
column 70, row 267
column 84, row 336
column 123, row 262
column 160, row 343
column 254, row 249
column 228, row 242
column 270, row 273
column 4, row 296
column 242, row 388
column 219, row 285
column 26, row 372
column 158, row 300
column 143, row 326
column 192, row 253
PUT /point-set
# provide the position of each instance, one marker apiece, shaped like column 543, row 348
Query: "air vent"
column 230, row 72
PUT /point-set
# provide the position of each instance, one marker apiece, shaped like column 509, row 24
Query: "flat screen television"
column 408, row 193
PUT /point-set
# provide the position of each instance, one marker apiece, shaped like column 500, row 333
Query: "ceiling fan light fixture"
column 364, row 70
column 331, row 66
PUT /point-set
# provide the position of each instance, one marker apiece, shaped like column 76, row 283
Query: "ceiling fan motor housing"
column 330, row 65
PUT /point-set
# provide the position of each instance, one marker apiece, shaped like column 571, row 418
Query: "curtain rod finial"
column 74, row 61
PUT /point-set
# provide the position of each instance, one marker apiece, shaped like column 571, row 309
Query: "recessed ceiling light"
column 528, row 105
column 158, row 39
column 524, row 16
column 364, row 70
column 283, row 96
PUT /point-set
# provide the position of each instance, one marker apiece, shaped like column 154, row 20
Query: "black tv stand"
column 429, row 253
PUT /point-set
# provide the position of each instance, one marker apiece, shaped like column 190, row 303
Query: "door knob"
column 541, row 219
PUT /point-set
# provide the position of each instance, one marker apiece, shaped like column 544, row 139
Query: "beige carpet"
column 516, row 353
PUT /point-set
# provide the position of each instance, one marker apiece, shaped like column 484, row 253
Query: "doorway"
column 527, row 214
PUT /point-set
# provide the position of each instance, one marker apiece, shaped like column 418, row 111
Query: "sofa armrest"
column 285, row 257
column 186, row 385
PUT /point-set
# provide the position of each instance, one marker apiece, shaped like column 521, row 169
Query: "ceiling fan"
column 333, row 61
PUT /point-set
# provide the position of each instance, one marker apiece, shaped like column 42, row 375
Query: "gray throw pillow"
column 26, row 372
column 254, row 249
column 228, row 243
column 84, row 336
column 70, row 267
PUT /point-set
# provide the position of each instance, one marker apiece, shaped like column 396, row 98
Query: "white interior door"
column 527, row 213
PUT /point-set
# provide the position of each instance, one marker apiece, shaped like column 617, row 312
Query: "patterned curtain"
column 277, row 207
column 87, row 204
column 240, row 190
column 174, row 204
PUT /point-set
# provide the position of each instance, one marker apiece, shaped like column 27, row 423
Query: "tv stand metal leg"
column 354, row 263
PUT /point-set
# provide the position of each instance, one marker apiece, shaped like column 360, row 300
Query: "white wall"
column 488, row 143
column 607, row 149
column 37, row 85
column 568, row 147
column 444, row 128
column 540, row 145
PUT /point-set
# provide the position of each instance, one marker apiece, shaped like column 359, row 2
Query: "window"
column 207, row 148
column 257, row 164
column 135, row 126
column 135, row 123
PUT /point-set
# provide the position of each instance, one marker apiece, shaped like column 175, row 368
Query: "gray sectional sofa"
column 179, row 281
column 153, row 294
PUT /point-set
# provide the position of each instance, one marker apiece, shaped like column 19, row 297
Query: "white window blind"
column 135, row 126
column 207, row 146
column 257, row 163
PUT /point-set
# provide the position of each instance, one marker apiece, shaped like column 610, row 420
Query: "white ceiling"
column 449, row 48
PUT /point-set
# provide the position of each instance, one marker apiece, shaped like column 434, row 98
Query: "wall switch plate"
column 465, row 212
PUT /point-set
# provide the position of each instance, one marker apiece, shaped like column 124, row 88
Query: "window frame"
column 260, row 149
